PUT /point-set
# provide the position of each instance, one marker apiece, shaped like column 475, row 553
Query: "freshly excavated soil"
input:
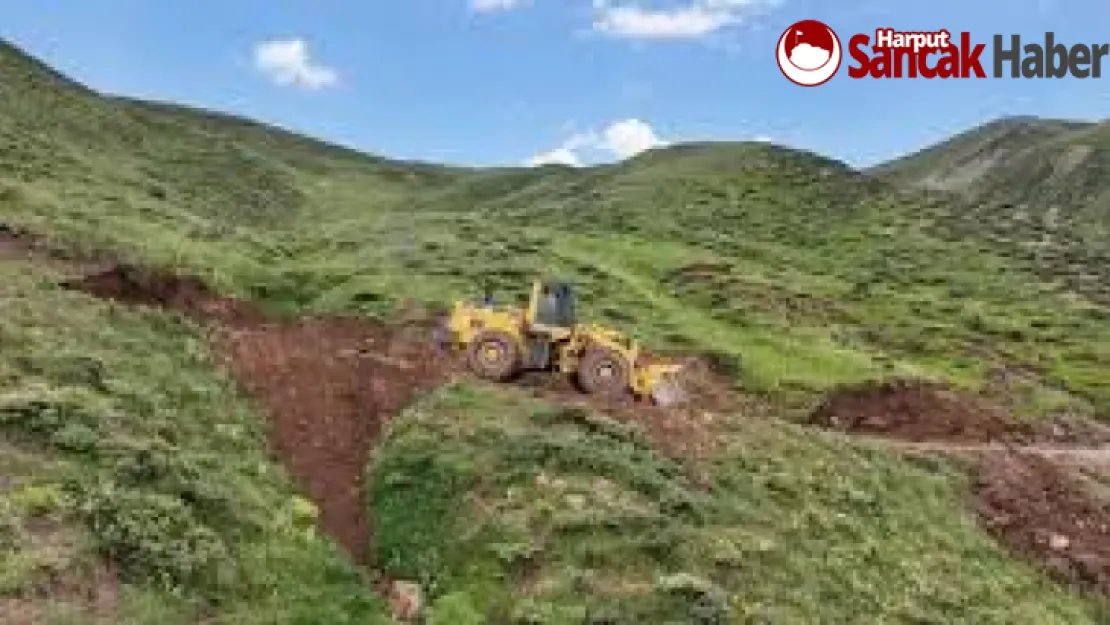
column 916, row 411
column 145, row 287
column 328, row 384
column 921, row 411
column 1027, row 492
column 1039, row 510
column 1071, row 431
column 686, row 431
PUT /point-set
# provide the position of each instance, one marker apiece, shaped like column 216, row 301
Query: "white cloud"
column 629, row 138
column 490, row 6
column 620, row 139
column 692, row 19
column 559, row 156
column 809, row 57
column 288, row 63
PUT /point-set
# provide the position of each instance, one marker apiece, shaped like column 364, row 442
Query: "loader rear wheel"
column 602, row 372
column 494, row 356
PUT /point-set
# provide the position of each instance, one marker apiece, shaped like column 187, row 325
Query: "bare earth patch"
column 1028, row 488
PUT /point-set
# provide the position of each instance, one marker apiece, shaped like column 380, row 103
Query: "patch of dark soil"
column 687, row 431
column 329, row 386
column 922, row 411
column 917, row 411
column 143, row 286
column 1037, row 509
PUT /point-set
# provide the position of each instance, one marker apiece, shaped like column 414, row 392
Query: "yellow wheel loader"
column 501, row 342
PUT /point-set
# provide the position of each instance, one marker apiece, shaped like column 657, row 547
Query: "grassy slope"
column 804, row 272
column 119, row 433
column 1034, row 188
column 509, row 508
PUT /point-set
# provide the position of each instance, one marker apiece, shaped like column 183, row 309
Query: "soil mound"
column 687, row 430
column 143, row 286
column 18, row 243
column 917, row 411
column 1040, row 511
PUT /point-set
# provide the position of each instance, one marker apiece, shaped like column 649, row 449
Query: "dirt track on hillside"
column 329, row 384
column 1038, row 488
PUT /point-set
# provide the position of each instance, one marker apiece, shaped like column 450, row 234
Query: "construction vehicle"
column 501, row 342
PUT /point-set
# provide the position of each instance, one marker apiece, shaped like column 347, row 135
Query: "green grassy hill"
column 1021, row 159
column 800, row 272
column 1035, row 189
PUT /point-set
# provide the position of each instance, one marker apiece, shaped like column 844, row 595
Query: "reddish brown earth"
column 914, row 411
column 187, row 295
column 328, row 384
column 1028, row 489
column 686, row 431
column 920, row 411
column 1048, row 515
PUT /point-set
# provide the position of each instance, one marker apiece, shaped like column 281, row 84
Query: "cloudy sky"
column 525, row 81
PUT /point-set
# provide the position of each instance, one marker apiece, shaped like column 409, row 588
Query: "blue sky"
column 441, row 80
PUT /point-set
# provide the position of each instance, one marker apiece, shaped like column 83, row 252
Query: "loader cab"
column 552, row 305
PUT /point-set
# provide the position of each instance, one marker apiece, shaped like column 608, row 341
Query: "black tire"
column 494, row 356
column 603, row 372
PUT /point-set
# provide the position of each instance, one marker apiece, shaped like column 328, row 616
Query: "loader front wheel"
column 494, row 356
column 602, row 372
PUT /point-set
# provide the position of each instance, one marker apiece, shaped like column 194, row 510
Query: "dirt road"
column 1087, row 457
column 1040, row 489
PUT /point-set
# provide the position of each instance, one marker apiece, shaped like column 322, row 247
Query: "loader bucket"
column 666, row 388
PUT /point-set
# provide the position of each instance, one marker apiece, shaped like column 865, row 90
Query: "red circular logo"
column 809, row 53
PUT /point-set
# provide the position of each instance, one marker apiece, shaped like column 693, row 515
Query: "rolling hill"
column 139, row 473
column 1018, row 159
column 1034, row 188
